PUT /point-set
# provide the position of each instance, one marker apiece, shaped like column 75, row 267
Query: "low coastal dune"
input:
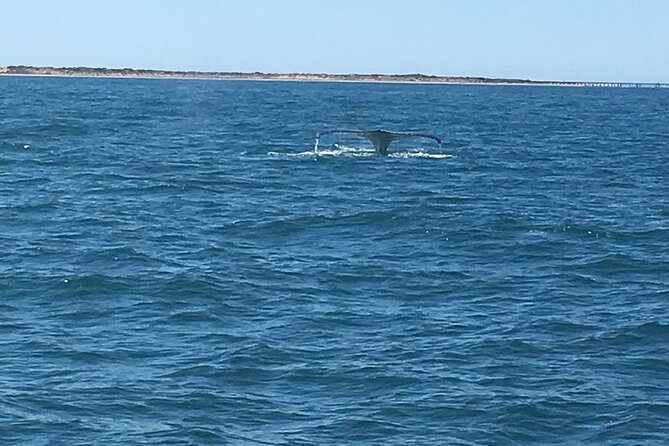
column 130, row 72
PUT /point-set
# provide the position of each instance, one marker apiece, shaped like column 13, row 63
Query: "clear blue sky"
column 626, row 40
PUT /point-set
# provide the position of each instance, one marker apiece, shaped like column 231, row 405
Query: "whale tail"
column 380, row 139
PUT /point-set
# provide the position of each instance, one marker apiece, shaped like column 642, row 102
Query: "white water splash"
column 419, row 154
column 345, row 151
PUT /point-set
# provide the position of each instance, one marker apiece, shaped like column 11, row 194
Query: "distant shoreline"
column 25, row 70
column 146, row 73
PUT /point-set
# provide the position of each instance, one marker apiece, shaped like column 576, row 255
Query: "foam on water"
column 14, row 145
column 349, row 151
column 419, row 154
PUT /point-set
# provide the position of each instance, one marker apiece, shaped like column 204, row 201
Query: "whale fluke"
column 381, row 139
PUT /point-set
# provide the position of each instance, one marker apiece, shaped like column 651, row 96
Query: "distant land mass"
column 26, row 70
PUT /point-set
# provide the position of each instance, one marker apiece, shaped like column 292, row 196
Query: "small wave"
column 584, row 231
column 14, row 145
column 104, row 255
column 92, row 284
column 618, row 263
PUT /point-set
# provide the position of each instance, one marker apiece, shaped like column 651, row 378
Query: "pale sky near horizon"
column 622, row 40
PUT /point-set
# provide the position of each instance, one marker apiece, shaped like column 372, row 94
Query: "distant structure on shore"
column 399, row 78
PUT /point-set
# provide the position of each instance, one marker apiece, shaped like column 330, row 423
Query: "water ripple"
column 180, row 265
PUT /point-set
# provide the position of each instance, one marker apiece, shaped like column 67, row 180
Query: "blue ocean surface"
column 181, row 267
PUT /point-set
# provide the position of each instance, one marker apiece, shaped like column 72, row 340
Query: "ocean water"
column 179, row 266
